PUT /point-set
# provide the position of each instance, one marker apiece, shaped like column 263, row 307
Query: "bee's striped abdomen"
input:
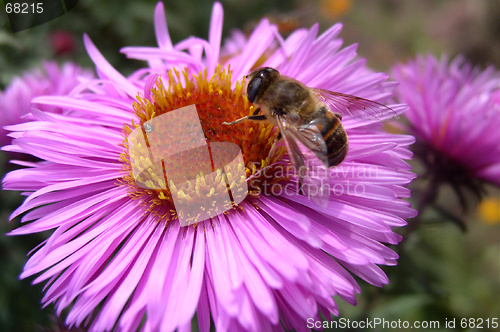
column 335, row 139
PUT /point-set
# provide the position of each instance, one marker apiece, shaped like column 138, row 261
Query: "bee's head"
column 258, row 81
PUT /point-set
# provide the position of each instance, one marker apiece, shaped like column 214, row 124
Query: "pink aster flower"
column 15, row 101
column 455, row 115
column 118, row 256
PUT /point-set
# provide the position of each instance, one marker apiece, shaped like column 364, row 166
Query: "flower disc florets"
column 215, row 103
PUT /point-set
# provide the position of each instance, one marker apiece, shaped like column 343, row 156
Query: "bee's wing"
column 296, row 155
column 310, row 137
column 356, row 107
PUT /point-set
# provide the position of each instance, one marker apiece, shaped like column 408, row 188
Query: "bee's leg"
column 301, row 182
column 302, row 172
column 257, row 117
column 253, row 117
column 274, row 146
column 235, row 121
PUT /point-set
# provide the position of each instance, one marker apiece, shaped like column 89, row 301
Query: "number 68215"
column 24, row 8
column 479, row 323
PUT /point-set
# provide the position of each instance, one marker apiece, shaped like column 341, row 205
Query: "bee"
column 310, row 116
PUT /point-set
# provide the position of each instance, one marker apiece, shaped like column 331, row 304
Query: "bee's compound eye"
column 269, row 70
column 253, row 88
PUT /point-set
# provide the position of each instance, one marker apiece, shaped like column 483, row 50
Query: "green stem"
column 427, row 199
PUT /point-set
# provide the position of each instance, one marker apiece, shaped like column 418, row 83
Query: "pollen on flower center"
column 215, row 103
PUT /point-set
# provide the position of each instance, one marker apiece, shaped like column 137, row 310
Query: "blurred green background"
column 444, row 273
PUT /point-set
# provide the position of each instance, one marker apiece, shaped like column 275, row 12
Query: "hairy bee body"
column 280, row 96
column 311, row 117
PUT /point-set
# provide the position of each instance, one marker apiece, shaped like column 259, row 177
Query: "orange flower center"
column 160, row 138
